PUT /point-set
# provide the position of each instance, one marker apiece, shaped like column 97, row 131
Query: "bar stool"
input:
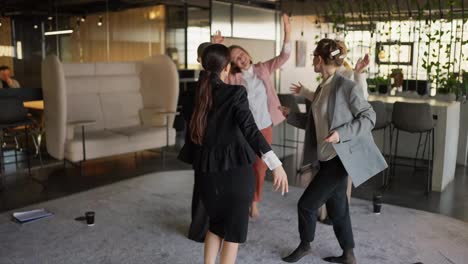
column 414, row 118
column 382, row 122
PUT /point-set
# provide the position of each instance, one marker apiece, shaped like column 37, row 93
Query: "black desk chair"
column 415, row 118
column 382, row 123
column 13, row 115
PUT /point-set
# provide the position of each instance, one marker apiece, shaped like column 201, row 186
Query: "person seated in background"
column 6, row 80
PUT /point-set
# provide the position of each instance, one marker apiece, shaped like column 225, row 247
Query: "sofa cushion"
column 149, row 136
column 79, row 69
column 150, row 117
column 118, row 68
column 80, row 85
column 98, row 144
column 85, row 107
column 118, row 83
column 121, row 109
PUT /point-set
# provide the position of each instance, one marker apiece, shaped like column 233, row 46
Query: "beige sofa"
column 121, row 107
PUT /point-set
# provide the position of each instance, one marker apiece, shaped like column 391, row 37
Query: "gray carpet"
column 144, row 220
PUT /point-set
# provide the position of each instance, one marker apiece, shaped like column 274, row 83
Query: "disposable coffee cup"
column 377, row 208
column 377, row 203
column 89, row 218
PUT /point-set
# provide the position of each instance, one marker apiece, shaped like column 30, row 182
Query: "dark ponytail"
column 203, row 102
column 215, row 57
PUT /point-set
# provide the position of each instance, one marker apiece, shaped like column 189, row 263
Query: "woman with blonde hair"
column 263, row 100
column 359, row 76
column 339, row 141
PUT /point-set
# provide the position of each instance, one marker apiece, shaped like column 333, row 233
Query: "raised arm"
column 276, row 62
column 361, row 80
column 217, row 38
column 300, row 89
column 360, row 76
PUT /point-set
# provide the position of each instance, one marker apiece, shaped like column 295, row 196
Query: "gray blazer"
column 353, row 118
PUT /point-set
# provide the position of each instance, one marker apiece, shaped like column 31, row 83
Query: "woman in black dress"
column 221, row 145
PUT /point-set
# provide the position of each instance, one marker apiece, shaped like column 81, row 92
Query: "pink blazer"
column 264, row 70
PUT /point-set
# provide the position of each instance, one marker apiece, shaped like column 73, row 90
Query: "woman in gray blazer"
column 338, row 139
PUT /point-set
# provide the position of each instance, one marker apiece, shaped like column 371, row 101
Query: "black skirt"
column 227, row 196
column 199, row 224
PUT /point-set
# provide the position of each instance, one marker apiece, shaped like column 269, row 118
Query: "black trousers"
column 328, row 187
column 199, row 225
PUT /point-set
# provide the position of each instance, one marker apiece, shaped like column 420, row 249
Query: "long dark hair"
column 214, row 59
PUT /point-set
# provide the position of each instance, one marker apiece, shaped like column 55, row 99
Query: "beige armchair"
column 95, row 110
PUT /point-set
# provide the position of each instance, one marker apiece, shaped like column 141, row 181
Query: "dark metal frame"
column 2, row 156
column 80, row 163
column 378, row 45
column 385, row 173
column 430, row 135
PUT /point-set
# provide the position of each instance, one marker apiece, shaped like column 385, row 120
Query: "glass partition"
column 128, row 35
column 255, row 23
column 198, row 31
column 221, row 18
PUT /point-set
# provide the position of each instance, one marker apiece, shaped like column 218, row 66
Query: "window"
column 394, row 53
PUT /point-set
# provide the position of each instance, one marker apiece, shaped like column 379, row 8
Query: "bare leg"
column 229, row 253
column 254, row 213
column 212, row 246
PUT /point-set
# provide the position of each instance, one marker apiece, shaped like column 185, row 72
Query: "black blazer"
column 231, row 137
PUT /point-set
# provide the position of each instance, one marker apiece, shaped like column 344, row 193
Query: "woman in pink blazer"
column 263, row 100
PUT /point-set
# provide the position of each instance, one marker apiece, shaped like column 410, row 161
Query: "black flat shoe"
column 341, row 259
column 298, row 253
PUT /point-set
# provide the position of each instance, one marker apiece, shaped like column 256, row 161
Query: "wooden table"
column 35, row 105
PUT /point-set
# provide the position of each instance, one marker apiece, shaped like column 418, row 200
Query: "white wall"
column 306, row 75
column 260, row 50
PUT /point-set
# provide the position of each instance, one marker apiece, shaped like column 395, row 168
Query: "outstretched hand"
column 296, row 88
column 280, row 180
column 362, row 64
column 217, row 37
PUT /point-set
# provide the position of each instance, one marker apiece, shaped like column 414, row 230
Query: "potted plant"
column 379, row 84
column 450, row 88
